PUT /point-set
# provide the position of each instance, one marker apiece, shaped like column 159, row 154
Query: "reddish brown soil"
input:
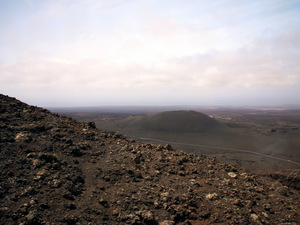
column 55, row 170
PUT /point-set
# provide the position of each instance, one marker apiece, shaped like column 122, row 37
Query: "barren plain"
column 258, row 139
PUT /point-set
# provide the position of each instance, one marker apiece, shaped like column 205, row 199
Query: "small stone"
column 212, row 196
column 37, row 178
column 30, row 216
column 55, row 183
column 33, row 202
column 23, row 136
column 192, row 181
column 168, row 147
column 148, row 215
column 238, row 202
column 71, row 219
column 182, row 173
column 91, row 125
column 103, row 202
column 115, row 212
column 31, row 155
column 41, row 173
column 267, row 207
column 165, row 194
column 37, row 162
column 232, row 174
column 29, row 191
column 157, row 172
column 33, row 218
column 254, row 217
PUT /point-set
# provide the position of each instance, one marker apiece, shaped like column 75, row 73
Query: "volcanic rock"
column 55, row 170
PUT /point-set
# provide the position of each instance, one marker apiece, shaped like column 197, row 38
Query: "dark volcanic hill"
column 55, row 170
column 164, row 123
column 178, row 121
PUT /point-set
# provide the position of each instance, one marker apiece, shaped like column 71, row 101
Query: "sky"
column 56, row 53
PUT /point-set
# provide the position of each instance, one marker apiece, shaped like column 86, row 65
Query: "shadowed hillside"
column 173, row 122
column 55, row 170
column 178, row 121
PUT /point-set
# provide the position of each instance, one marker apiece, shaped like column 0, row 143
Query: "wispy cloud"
column 169, row 50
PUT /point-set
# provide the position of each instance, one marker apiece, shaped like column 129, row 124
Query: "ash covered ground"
column 55, row 170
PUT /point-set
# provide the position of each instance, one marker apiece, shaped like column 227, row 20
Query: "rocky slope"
column 55, row 170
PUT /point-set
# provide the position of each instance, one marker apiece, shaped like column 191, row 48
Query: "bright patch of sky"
column 150, row 52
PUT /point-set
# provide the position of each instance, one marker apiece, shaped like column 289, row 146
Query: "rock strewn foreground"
column 55, row 170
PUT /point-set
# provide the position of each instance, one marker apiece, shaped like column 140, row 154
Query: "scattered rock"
column 168, row 147
column 254, row 217
column 23, row 136
column 232, row 174
column 55, row 170
column 212, row 196
column 71, row 219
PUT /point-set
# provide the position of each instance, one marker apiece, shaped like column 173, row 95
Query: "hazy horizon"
column 148, row 52
column 161, row 108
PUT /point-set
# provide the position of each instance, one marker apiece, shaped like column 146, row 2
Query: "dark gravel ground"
column 55, row 170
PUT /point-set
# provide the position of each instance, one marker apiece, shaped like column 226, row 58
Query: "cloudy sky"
column 150, row 52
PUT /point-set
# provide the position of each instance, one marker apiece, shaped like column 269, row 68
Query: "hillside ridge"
column 170, row 121
column 55, row 170
column 182, row 121
column 167, row 123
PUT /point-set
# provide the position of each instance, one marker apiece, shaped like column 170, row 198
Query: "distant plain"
column 259, row 139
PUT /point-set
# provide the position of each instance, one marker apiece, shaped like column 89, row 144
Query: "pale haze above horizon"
column 147, row 52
